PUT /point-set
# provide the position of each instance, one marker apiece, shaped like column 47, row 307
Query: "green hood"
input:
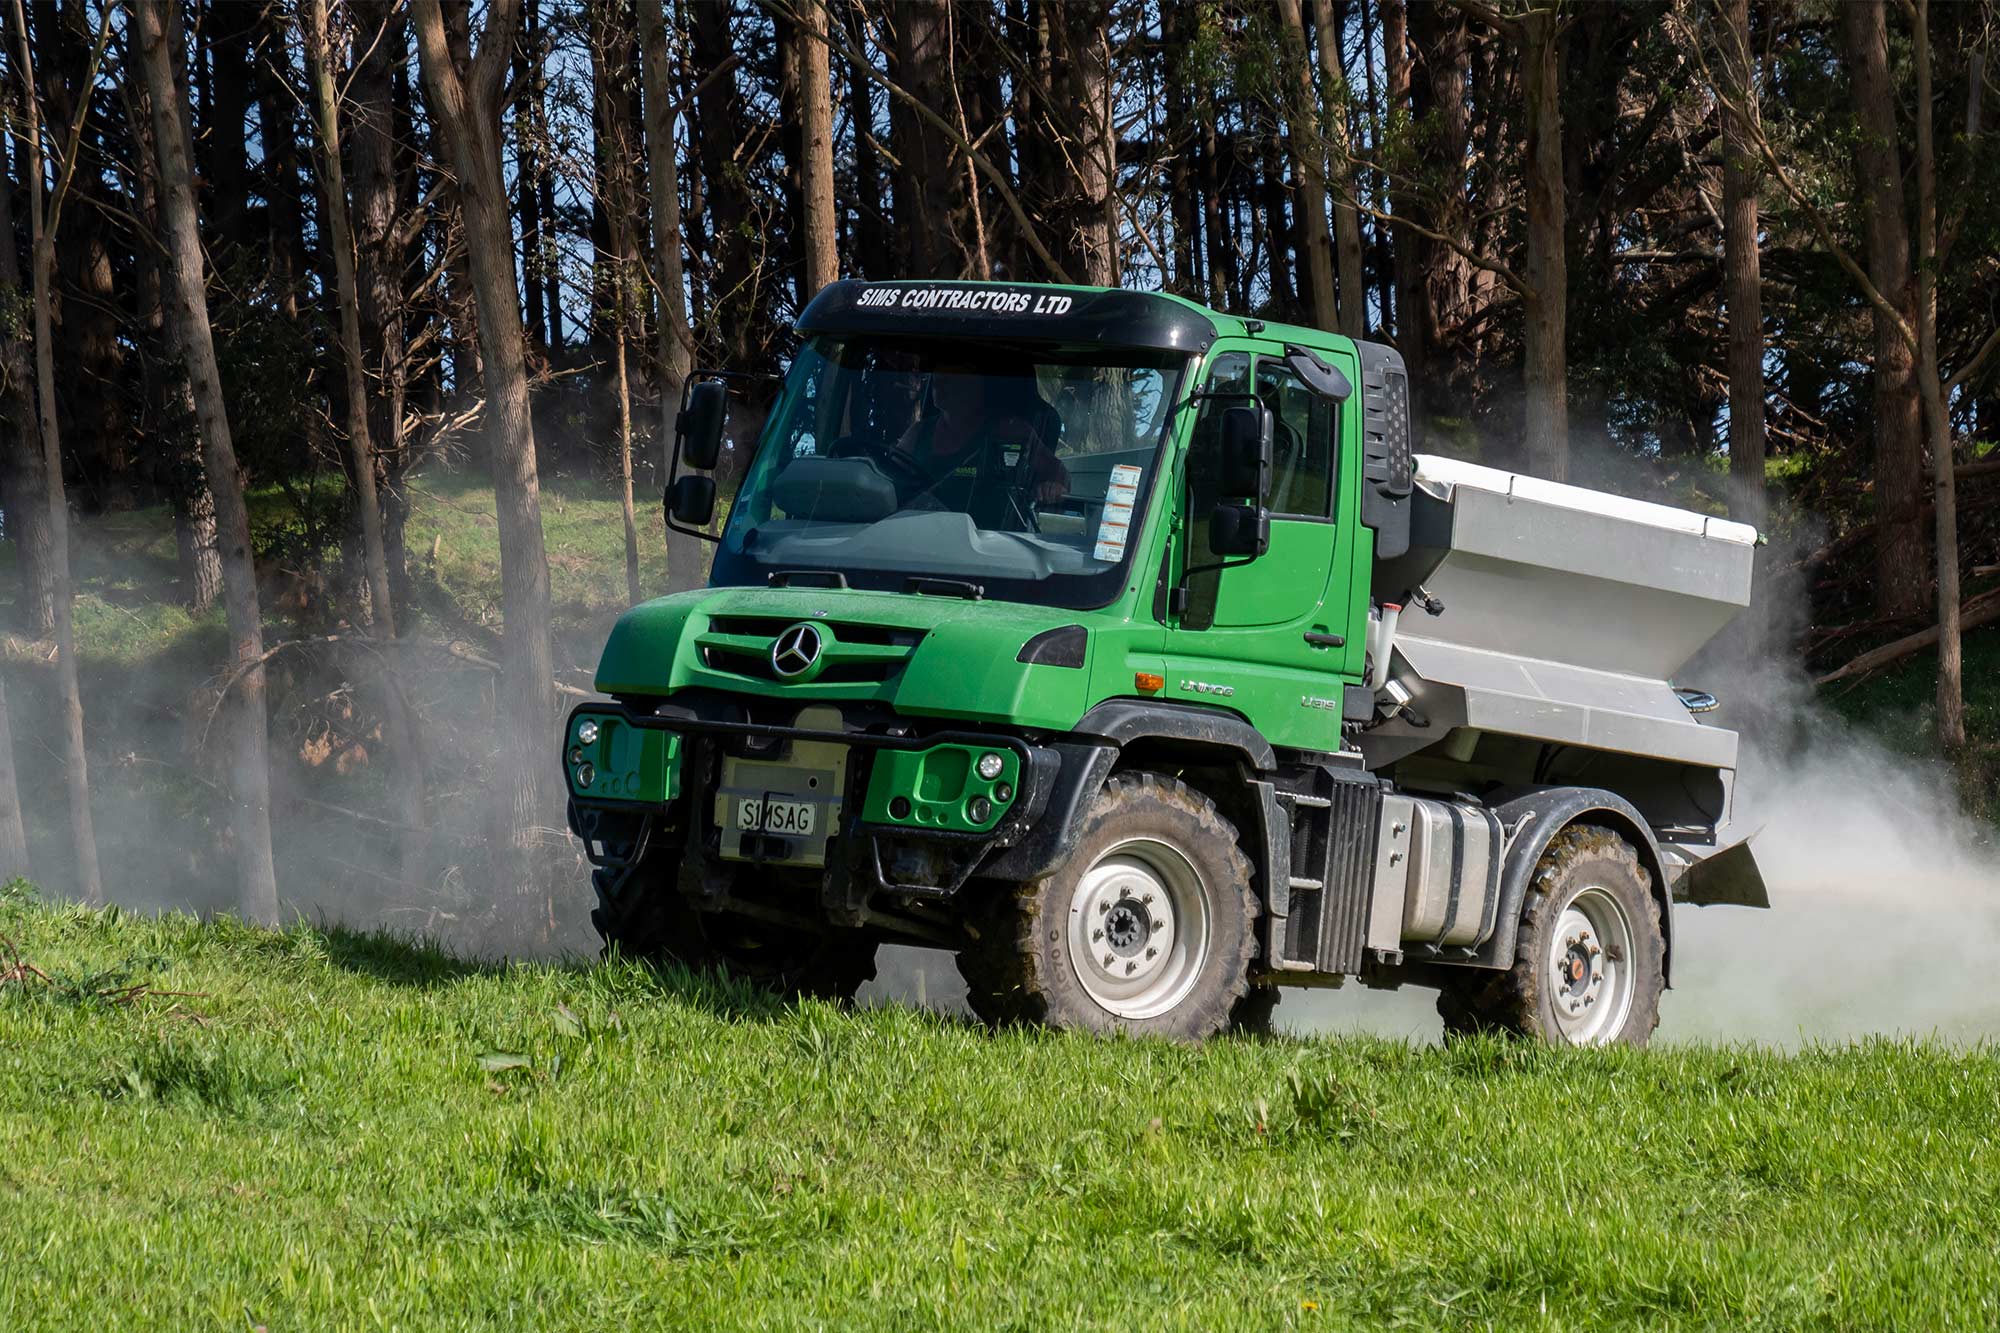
column 924, row 655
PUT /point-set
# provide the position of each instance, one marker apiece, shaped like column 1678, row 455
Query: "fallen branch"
column 1973, row 612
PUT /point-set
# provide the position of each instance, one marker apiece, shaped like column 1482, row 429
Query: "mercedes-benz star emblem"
column 796, row 651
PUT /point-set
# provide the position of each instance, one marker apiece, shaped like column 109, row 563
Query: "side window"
column 1229, row 374
column 1302, row 443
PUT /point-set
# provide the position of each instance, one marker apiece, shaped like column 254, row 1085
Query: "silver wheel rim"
column 1590, row 974
column 1139, row 928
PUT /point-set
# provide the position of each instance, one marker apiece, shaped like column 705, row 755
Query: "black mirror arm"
column 1326, row 381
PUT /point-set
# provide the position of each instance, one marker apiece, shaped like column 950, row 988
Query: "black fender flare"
column 1530, row 821
column 1121, row 721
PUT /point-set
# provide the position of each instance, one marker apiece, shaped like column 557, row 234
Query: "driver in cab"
column 979, row 419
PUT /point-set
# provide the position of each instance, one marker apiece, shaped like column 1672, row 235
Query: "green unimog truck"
column 1125, row 649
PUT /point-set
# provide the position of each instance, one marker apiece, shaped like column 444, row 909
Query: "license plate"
column 767, row 816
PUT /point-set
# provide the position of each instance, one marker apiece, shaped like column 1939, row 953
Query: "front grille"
column 749, row 654
column 846, row 631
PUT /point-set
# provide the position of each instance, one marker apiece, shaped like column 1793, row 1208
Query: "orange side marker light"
column 1149, row 682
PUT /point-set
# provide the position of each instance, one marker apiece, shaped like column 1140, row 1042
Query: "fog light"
column 586, row 773
column 979, row 809
column 1003, row 793
column 899, row 808
column 587, row 732
column 990, row 766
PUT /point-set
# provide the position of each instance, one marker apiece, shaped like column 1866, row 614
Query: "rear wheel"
column 1147, row 928
column 1588, row 960
column 651, row 920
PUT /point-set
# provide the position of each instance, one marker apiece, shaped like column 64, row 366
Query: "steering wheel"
column 892, row 459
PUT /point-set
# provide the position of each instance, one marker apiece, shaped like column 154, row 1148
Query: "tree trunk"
column 41, row 231
column 927, row 191
column 361, row 454
column 1742, row 273
column 464, row 102
column 1339, row 159
column 243, row 702
column 676, row 341
column 1545, row 371
column 1937, row 415
column 610, row 47
column 405, row 753
column 24, row 483
column 382, row 237
column 1307, row 143
column 13, row 834
column 816, row 150
column 1080, row 30
column 1901, row 582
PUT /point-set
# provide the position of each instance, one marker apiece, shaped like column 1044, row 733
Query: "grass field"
column 348, row 1131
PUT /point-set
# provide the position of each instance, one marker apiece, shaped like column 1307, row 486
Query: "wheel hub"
column 1590, row 990
column 1127, row 927
column 1138, row 928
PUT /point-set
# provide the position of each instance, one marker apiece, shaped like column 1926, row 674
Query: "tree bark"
column 928, row 193
column 1545, row 372
column 243, row 701
column 1080, row 34
column 676, row 340
column 1937, row 415
column 618, row 261
column 177, row 465
column 42, row 222
column 1900, row 554
column 382, row 237
column 1307, row 145
column 24, row 484
column 13, row 834
column 361, row 454
column 1339, row 158
column 464, row 99
column 1742, row 273
column 816, row 150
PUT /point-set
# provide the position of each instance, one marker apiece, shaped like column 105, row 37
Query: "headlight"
column 587, row 732
column 586, row 773
column 990, row 766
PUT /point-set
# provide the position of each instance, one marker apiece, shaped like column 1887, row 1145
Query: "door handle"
column 1321, row 640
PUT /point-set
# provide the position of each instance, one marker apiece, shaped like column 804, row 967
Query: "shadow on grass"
column 423, row 963
column 402, row 960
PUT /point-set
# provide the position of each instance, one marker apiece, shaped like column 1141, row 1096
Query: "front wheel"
column 1589, row 961
column 1146, row 928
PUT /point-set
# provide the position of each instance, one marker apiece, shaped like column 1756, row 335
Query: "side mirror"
column 698, row 429
column 691, row 502
column 1246, row 453
column 1322, row 379
column 1243, row 530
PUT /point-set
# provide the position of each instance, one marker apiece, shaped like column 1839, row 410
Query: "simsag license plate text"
column 754, row 816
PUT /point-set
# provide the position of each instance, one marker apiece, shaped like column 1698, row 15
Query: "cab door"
column 1270, row 638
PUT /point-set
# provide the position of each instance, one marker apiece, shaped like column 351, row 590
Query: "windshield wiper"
column 971, row 592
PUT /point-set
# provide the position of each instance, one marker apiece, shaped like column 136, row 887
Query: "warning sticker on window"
column 1115, row 524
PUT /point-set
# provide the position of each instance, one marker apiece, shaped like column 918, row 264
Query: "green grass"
column 350, row 1131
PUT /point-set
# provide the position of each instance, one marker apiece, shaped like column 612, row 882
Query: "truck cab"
column 1059, row 628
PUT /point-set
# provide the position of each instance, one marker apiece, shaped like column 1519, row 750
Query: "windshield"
column 1022, row 470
